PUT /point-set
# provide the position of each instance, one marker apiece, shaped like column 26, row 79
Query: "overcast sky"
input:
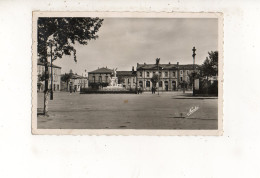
column 124, row 42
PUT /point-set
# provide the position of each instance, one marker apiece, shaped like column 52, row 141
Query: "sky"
column 124, row 42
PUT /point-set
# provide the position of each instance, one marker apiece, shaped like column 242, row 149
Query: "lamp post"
column 193, row 55
column 157, row 62
column 183, row 80
column 51, row 94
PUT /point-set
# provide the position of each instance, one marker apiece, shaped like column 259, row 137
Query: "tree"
column 66, row 78
column 121, row 79
column 61, row 34
column 154, row 79
column 193, row 75
column 209, row 67
column 41, row 77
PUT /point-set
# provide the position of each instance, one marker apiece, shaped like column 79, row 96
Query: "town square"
column 129, row 111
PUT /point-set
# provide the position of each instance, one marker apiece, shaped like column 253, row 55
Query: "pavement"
column 169, row 110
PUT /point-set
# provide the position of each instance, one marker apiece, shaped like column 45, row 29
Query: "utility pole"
column 193, row 55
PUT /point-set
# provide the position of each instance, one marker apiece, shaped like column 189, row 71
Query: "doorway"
column 166, row 85
column 174, row 85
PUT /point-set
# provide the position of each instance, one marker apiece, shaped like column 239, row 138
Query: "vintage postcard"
column 127, row 73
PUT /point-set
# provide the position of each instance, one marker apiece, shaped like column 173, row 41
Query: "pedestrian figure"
column 139, row 90
column 153, row 90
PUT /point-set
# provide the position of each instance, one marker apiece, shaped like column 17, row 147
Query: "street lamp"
column 193, row 55
column 157, row 63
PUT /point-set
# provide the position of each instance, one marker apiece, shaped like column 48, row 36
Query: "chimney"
column 177, row 63
column 169, row 62
column 133, row 68
column 144, row 63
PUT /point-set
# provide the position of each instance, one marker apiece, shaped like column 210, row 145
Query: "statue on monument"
column 114, row 72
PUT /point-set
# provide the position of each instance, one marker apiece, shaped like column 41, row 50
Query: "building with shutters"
column 171, row 76
column 127, row 79
column 56, row 74
column 99, row 78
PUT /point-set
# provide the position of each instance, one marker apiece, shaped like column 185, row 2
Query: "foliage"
column 210, row 65
column 66, row 77
column 42, row 77
column 195, row 75
column 207, row 87
column 121, row 79
column 62, row 33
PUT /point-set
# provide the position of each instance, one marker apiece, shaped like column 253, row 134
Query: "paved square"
column 128, row 111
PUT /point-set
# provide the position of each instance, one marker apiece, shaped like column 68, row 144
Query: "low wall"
column 92, row 91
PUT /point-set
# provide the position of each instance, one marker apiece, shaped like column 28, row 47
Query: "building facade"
column 172, row 77
column 56, row 75
column 127, row 79
column 76, row 82
column 99, row 78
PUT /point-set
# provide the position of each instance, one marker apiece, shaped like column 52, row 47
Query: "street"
column 169, row 110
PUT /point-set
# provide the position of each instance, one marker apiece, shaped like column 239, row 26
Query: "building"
column 171, row 76
column 127, row 79
column 76, row 82
column 56, row 74
column 99, row 78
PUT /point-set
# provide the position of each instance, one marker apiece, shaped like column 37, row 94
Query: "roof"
column 125, row 73
column 189, row 66
column 76, row 76
column 102, row 70
column 165, row 66
column 49, row 65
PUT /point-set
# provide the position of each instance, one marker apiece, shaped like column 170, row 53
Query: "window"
column 173, row 74
column 160, row 84
column 166, row 74
column 140, row 84
column 140, row 74
column 147, row 74
column 106, row 79
column 100, row 79
column 128, row 81
column 94, row 79
column 181, row 71
column 148, row 84
column 181, row 79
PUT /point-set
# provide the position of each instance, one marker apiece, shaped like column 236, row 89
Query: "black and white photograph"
column 129, row 72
